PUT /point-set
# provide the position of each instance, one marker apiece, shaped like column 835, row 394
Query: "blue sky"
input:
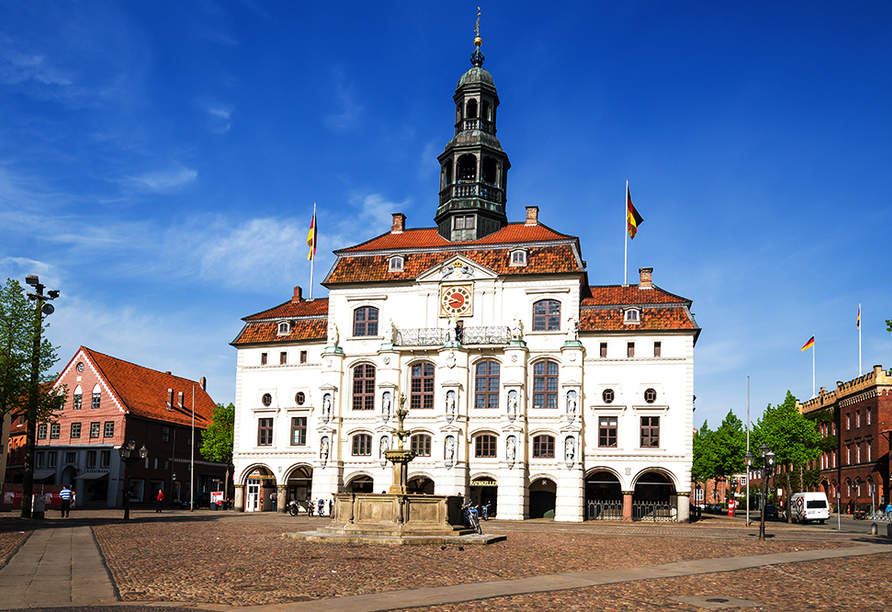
column 159, row 162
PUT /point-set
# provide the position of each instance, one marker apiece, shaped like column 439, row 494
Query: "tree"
column 25, row 360
column 719, row 454
column 217, row 441
column 792, row 437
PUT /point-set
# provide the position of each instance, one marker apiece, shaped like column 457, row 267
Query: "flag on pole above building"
column 809, row 344
column 634, row 219
column 858, row 322
column 311, row 237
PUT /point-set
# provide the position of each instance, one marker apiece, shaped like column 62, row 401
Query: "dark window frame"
column 485, row 446
column 365, row 321
column 650, row 432
column 546, row 377
column 421, row 385
column 547, row 315
column 362, row 445
column 486, row 383
column 299, row 431
column 421, row 444
column 265, row 431
column 364, row 386
column 543, row 446
column 608, row 427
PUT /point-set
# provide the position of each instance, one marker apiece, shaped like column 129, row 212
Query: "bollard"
column 889, row 531
column 874, row 529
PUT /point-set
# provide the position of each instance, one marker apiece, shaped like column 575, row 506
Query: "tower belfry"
column 473, row 166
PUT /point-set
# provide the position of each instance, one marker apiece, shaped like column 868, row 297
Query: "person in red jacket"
column 159, row 501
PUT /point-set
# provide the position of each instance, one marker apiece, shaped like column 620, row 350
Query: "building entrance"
column 485, row 492
column 543, row 498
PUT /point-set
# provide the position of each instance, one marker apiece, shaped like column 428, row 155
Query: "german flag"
column 632, row 216
column 809, row 344
column 311, row 239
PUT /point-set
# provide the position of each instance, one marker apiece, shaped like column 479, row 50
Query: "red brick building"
column 859, row 412
column 110, row 402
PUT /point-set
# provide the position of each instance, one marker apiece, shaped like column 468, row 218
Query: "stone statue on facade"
column 570, row 450
column 511, row 449
column 450, row 406
column 512, row 405
column 333, row 336
column 385, row 406
column 517, row 329
column 324, row 449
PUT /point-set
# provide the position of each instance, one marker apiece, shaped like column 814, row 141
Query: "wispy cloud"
column 349, row 110
column 164, row 180
column 219, row 117
column 18, row 68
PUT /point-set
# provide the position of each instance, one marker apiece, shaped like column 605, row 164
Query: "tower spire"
column 477, row 57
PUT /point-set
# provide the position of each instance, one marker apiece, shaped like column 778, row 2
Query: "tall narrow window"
column 486, row 385
column 263, row 358
column 104, row 458
column 485, row 446
column 55, row 431
column 91, row 459
column 658, row 349
column 265, row 432
column 630, row 349
column 603, row 350
column 650, row 432
column 607, row 432
column 108, row 429
column 364, row 387
column 298, row 431
column 362, row 445
column 303, row 356
column 75, row 430
column 78, row 397
column 545, row 384
column 283, row 358
column 422, row 386
column 543, row 447
column 95, row 429
column 365, row 321
column 547, row 315
column 421, row 445
column 96, row 397
column 41, row 431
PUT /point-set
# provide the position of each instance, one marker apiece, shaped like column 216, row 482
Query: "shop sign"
column 484, row 483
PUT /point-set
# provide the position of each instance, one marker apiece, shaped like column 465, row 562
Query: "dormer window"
column 284, row 328
column 396, row 263
column 464, row 222
column 518, row 258
column 632, row 316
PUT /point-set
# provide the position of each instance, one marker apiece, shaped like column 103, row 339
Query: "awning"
column 41, row 474
column 91, row 476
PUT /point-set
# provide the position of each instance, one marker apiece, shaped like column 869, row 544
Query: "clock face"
column 456, row 300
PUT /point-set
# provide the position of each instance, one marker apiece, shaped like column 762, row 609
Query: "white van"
column 810, row 507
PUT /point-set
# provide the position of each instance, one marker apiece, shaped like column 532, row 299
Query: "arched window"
column 472, row 109
column 422, row 386
column 97, row 396
column 487, row 110
column 488, row 171
column 543, row 447
column 365, row 321
column 486, row 385
column 284, row 328
column 421, row 445
column 485, row 446
column 78, row 397
column 545, row 384
column 547, row 315
column 362, row 445
column 467, row 168
column 364, row 387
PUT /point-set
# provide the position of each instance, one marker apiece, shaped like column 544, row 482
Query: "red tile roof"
column 290, row 309
column 143, row 392
column 610, row 295
column 427, row 237
column 268, row 331
column 611, row 319
column 555, row 259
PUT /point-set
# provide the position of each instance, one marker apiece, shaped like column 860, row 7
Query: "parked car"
column 202, row 500
column 770, row 511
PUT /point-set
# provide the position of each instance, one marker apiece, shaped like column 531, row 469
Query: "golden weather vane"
column 477, row 39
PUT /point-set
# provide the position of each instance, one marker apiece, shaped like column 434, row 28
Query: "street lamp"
column 41, row 307
column 749, row 468
column 732, row 499
column 129, row 454
column 698, row 498
column 768, row 458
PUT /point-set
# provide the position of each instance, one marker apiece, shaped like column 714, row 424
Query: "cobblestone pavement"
column 235, row 559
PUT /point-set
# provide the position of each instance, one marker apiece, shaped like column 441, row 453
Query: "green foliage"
column 217, row 441
column 17, row 331
column 704, row 460
column 719, row 454
column 889, row 325
column 789, row 434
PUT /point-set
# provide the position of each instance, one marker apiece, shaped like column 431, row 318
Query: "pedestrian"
column 321, row 506
column 159, row 500
column 66, row 494
column 273, row 499
column 330, row 504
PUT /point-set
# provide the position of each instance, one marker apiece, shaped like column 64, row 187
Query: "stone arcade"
column 528, row 389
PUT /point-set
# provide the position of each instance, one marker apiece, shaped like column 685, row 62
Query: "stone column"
column 281, row 499
column 627, row 506
column 239, row 503
column 684, row 508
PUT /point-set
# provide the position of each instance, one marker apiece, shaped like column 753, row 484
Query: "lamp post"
column 749, row 468
column 41, row 307
column 768, row 458
column 732, row 497
column 129, row 454
column 698, row 499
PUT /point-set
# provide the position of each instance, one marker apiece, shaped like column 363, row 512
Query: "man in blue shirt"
column 66, row 494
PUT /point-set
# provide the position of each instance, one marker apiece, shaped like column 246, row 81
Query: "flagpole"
column 748, row 449
column 860, row 370
column 626, row 234
column 813, row 394
column 313, row 247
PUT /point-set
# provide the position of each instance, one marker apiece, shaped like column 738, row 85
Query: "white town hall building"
column 527, row 388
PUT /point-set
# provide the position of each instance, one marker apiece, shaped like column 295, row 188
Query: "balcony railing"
column 472, row 189
column 475, row 124
column 436, row 336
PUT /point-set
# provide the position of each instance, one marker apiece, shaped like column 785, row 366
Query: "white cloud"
column 219, row 118
column 349, row 109
column 19, row 68
column 164, row 180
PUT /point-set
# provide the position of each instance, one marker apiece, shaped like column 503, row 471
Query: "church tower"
column 473, row 167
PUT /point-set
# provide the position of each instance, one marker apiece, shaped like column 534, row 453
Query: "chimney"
column 203, row 382
column 646, row 281
column 532, row 215
column 296, row 297
column 169, row 399
column 180, row 399
column 399, row 223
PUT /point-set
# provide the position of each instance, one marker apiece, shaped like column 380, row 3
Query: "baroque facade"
column 528, row 389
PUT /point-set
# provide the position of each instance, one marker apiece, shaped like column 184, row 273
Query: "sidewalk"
column 56, row 566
